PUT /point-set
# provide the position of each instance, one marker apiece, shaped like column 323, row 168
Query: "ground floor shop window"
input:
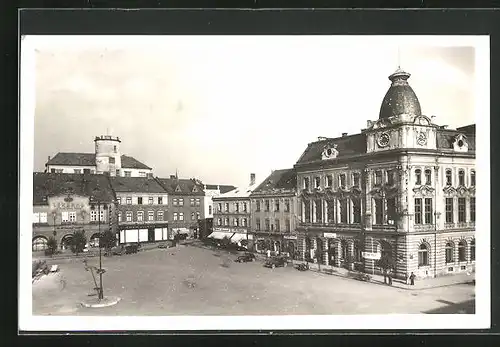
column 423, row 255
column 39, row 244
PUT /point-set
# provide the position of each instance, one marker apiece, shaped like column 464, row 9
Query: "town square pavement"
column 188, row 280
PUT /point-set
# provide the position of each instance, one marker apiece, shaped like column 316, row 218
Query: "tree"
column 78, row 242
column 225, row 241
column 51, row 246
column 386, row 262
column 107, row 240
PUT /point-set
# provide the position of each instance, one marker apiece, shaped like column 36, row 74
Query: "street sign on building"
column 330, row 235
column 290, row 237
column 372, row 256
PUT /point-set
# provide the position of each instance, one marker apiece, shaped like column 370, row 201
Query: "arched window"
column 423, row 255
column 461, row 250
column 461, row 178
column 449, row 252
column 473, row 250
column 418, row 177
column 448, row 177
column 473, row 178
column 39, row 244
column 428, row 177
column 385, row 250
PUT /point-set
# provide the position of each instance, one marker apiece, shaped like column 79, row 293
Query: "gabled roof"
column 346, row 146
column 136, row 185
column 74, row 159
column 181, row 186
column 238, row 192
column 279, row 181
column 88, row 159
column 132, row 163
column 222, row 188
column 445, row 138
column 52, row 184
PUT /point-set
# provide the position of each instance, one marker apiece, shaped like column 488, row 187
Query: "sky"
column 221, row 107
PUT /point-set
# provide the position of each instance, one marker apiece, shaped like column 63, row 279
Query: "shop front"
column 143, row 233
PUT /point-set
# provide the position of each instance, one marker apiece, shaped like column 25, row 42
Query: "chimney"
column 252, row 179
column 48, row 159
column 344, row 134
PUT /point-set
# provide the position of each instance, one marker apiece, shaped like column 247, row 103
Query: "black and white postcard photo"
column 254, row 182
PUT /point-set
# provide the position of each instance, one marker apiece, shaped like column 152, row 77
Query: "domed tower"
column 400, row 99
column 400, row 123
column 107, row 155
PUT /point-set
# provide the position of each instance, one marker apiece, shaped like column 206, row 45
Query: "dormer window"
column 418, row 177
column 317, row 182
column 461, row 178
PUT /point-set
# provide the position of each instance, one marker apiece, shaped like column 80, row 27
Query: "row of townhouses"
column 106, row 190
column 402, row 187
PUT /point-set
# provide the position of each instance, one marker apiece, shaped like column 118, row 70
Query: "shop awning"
column 237, row 237
column 219, row 235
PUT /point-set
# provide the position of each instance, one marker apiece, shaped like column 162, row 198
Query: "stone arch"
column 39, row 243
column 66, row 241
column 94, row 240
column 424, row 251
column 462, row 250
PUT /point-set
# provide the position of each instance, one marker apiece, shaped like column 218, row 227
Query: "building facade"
column 232, row 216
column 186, row 202
column 107, row 158
column 404, row 187
column 213, row 191
column 65, row 203
column 274, row 213
column 142, row 209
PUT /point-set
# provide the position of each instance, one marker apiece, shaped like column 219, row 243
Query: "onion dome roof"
column 400, row 98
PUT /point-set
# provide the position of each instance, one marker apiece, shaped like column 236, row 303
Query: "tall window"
column 72, row 216
column 139, row 200
column 356, row 179
column 343, row 211
column 276, row 205
column 287, row 225
column 391, row 210
column 378, row 212
column 150, row 200
column 257, row 206
column 287, row 205
column 317, row 182
column 257, row 223
column 428, row 211
column 181, row 202
column 93, row 216
column 267, row 205
column 151, row 216
column 461, row 178
column 129, row 200
column 226, row 207
column 449, row 210
column 191, row 201
column 160, row 200
column 418, row 211
column 307, row 211
column 306, row 183
column 390, row 177
column 461, row 210
column 160, row 215
column 197, row 215
column 197, row 201
column 268, row 225
column 448, row 177
column 175, row 202
column 181, row 215
column 237, row 207
column 423, row 255
column 226, row 221
column 140, row 216
column 473, row 209
column 418, row 177
column 65, row 217
column 236, row 222
column 473, row 250
column 119, row 216
column 219, row 205
column 473, row 178
column 356, row 207
column 319, row 214
column 448, row 252
column 176, row 216
column 209, row 209
column 277, row 224
column 128, row 216
column 329, row 180
column 245, row 207
column 330, row 210
column 461, row 250
column 243, row 222
column 428, row 177
column 342, row 180
column 119, row 200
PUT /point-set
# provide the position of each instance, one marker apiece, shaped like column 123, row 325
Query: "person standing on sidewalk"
column 268, row 253
column 412, row 279
column 407, row 278
column 389, row 275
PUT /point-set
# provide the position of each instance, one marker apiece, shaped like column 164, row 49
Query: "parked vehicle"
column 247, row 257
column 276, row 262
column 303, row 267
column 118, row 250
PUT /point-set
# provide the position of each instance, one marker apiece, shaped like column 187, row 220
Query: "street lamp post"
column 100, row 271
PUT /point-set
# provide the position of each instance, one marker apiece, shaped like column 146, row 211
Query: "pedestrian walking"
column 268, row 252
column 407, row 278
column 389, row 275
column 412, row 279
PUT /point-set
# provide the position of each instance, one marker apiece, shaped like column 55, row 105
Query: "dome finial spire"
column 399, row 59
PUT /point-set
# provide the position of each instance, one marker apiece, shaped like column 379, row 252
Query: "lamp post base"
column 105, row 302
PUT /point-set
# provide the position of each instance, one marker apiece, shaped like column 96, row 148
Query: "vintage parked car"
column 276, row 262
column 247, row 257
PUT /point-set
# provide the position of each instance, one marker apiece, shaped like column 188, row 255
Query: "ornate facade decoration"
column 424, row 190
column 329, row 152
column 460, row 143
